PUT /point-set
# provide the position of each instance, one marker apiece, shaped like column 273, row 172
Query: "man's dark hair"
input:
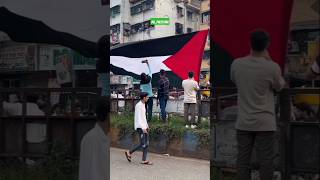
column 102, row 108
column 103, row 48
column 143, row 95
column 145, row 79
column 190, row 74
column 259, row 40
column 162, row 72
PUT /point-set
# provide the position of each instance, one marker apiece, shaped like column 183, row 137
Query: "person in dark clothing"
column 103, row 64
column 163, row 94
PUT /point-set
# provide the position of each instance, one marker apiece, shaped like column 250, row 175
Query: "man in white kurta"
column 94, row 153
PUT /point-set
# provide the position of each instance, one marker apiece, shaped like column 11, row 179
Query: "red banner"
column 232, row 21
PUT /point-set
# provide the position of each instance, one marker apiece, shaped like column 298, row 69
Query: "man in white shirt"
column 94, row 152
column 141, row 126
column 190, row 87
column 256, row 77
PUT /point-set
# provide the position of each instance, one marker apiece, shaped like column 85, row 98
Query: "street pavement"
column 164, row 167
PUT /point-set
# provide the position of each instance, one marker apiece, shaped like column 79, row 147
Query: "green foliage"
column 204, row 136
column 218, row 174
column 174, row 129
column 56, row 166
column 124, row 123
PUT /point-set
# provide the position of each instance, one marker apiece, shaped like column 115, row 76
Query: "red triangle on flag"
column 189, row 57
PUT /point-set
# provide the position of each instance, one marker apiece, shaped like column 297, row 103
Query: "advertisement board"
column 17, row 58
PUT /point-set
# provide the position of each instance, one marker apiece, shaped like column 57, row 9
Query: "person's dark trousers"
column 264, row 144
column 163, row 104
column 144, row 143
column 189, row 108
column 149, row 106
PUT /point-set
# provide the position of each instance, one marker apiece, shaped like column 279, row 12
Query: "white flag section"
column 136, row 66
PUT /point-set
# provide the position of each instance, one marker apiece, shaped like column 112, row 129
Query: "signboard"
column 47, row 59
column 17, row 58
column 120, row 79
column 160, row 21
column 82, row 63
column 63, row 66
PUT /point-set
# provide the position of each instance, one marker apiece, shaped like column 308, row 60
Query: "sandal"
column 127, row 156
column 146, row 163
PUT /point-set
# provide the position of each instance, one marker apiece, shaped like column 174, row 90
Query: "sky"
column 87, row 19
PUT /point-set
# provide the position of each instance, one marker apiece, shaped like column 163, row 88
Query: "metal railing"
column 67, row 128
column 291, row 131
column 128, row 99
column 70, row 127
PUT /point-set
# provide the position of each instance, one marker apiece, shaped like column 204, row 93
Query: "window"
column 139, row 27
column 147, row 5
column 136, row 28
column 144, row 6
column 189, row 30
column 179, row 11
column 206, row 55
column 126, row 29
column 179, row 28
column 205, row 17
column 115, row 34
column 115, row 28
column 147, row 25
column 189, row 15
column 115, row 11
column 136, row 9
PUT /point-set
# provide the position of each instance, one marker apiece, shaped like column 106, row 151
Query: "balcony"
column 195, row 4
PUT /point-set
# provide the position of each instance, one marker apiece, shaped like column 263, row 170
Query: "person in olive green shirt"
column 256, row 77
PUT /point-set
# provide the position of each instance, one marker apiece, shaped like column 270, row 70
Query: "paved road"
column 164, row 168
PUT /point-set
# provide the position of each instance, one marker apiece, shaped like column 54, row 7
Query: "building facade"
column 205, row 24
column 130, row 19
